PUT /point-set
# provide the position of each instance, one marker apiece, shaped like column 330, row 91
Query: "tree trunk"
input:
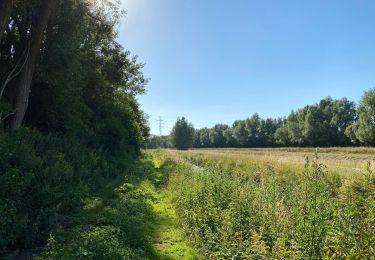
column 38, row 26
column 5, row 11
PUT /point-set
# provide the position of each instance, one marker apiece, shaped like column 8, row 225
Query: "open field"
column 343, row 160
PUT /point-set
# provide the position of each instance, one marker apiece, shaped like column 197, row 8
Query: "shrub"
column 43, row 180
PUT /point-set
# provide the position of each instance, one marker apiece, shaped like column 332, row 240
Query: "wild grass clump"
column 239, row 209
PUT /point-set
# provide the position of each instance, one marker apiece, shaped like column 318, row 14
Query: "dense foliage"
column 182, row 134
column 69, row 116
column 239, row 208
column 113, row 224
column 363, row 130
column 251, row 132
column 328, row 123
column 323, row 124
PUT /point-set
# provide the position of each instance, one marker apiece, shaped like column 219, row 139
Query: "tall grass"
column 341, row 150
column 239, row 209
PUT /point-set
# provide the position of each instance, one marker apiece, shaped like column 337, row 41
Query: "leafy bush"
column 106, row 229
column 43, row 179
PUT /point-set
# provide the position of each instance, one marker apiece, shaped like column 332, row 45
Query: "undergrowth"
column 130, row 218
column 238, row 209
column 114, row 224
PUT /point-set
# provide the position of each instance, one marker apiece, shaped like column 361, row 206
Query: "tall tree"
column 343, row 114
column 40, row 18
column 321, row 124
column 182, row 134
column 252, row 126
column 363, row 130
column 240, row 133
column 216, row 135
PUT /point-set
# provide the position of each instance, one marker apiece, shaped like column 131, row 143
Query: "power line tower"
column 160, row 123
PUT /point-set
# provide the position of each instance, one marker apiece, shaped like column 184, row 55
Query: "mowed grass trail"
column 167, row 240
column 131, row 218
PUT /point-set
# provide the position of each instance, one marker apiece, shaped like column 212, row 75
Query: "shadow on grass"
column 128, row 219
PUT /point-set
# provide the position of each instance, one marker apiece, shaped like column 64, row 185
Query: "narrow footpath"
column 168, row 240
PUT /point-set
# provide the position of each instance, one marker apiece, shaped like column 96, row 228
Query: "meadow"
column 338, row 159
column 285, row 203
column 226, row 204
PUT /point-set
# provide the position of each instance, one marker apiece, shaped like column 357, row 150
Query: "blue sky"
column 215, row 61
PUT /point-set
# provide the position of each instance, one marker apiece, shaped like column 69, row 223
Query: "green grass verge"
column 131, row 218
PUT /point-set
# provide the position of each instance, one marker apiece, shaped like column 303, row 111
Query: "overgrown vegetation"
column 239, row 208
column 74, row 183
column 112, row 224
column 130, row 218
column 70, row 121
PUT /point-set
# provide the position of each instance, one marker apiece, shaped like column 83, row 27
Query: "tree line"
column 331, row 122
column 69, row 117
column 63, row 71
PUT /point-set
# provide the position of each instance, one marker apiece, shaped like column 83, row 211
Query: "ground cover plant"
column 240, row 208
column 131, row 217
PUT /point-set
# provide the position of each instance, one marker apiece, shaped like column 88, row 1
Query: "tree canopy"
column 331, row 122
column 363, row 130
column 182, row 134
column 76, row 79
column 69, row 114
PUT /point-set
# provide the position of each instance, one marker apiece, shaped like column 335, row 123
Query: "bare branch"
column 5, row 117
column 14, row 73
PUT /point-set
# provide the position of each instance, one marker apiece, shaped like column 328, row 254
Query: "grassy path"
column 130, row 217
column 167, row 238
